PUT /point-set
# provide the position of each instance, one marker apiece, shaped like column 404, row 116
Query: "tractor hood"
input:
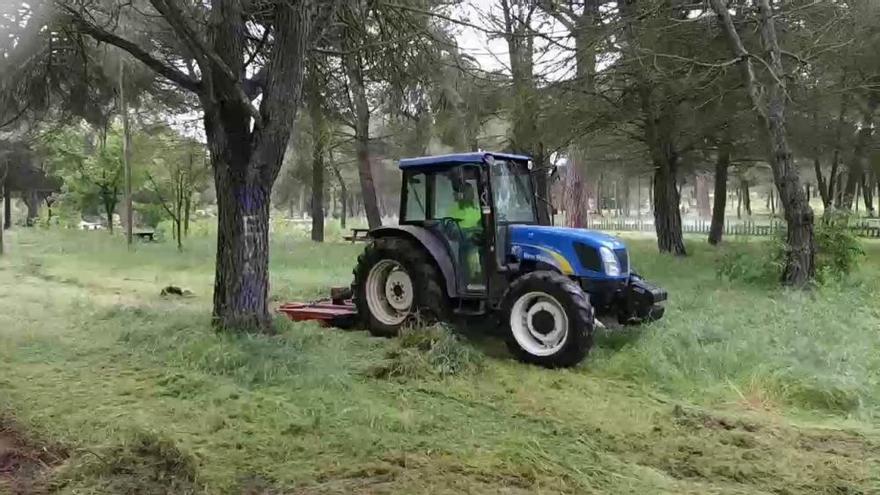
column 572, row 251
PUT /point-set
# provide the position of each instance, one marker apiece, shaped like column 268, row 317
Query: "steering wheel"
column 451, row 225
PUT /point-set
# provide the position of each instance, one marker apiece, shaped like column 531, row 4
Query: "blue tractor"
column 471, row 242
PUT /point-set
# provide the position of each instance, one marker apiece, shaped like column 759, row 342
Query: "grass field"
column 114, row 389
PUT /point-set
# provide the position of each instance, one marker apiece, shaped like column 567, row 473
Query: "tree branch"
column 170, row 73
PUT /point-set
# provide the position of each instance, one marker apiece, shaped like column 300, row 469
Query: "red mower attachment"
column 338, row 311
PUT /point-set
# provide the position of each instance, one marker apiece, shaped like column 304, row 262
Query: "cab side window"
column 453, row 188
column 416, row 187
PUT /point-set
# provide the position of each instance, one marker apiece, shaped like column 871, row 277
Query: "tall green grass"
column 739, row 389
column 723, row 340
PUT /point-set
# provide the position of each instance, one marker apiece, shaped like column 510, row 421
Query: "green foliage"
column 89, row 163
column 838, row 248
column 150, row 213
column 838, row 251
column 759, row 263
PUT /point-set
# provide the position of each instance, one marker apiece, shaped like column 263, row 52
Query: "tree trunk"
column 667, row 215
column 49, row 202
column 178, row 224
column 354, row 71
column 716, row 229
column 317, row 203
column 747, row 196
column 126, row 161
column 667, row 200
column 187, row 210
column 343, row 193
column 3, row 185
column 32, row 202
column 7, row 207
column 109, row 208
column 319, row 145
column 868, row 192
column 833, row 195
column 739, row 202
column 821, row 184
column 241, row 283
column 863, row 142
column 660, row 131
column 575, row 198
column 769, row 105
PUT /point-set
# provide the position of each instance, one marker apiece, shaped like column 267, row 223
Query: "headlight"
column 609, row 262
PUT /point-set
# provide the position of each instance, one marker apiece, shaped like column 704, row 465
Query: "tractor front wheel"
column 549, row 320
column 395, row 282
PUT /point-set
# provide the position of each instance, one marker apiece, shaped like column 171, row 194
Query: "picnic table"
column 145, row 235
column 357, row 235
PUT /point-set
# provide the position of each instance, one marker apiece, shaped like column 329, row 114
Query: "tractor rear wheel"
column 396, row 282
column 549, row 320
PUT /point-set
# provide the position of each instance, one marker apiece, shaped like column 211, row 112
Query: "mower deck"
column 327, row 313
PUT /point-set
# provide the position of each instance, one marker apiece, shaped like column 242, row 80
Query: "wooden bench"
column 357, row 235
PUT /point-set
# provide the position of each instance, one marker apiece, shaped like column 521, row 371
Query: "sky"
column 491, row 52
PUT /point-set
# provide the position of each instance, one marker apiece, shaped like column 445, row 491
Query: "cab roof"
column 456, row 159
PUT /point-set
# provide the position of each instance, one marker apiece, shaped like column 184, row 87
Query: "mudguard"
column 435, row 247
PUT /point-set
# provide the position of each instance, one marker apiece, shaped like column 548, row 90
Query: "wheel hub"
column 398, row 290
column 539, row 323
column 389, row 292
column 543, row 322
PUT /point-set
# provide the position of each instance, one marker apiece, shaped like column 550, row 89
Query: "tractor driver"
column 467, row 214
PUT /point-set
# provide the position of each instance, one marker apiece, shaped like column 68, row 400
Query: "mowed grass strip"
column 739, row 389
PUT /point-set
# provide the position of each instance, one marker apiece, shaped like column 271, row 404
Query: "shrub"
column 838, row 251
column 838, row 248
column 757, row 263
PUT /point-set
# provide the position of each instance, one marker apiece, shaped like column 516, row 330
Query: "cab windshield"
column 512, row 191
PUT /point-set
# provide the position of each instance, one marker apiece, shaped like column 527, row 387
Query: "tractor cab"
column 470, row 241
column 469, row 201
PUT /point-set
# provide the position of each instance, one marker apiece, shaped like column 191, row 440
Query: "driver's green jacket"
column 468, row 216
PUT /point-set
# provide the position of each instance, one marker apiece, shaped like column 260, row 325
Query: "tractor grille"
column 588, row 256
column 623, row 259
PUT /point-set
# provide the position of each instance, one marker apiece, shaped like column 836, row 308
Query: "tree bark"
column 109, row 199
column 667, row 200
column 187, row 211
column 318, row 193
column 769, row 105
column 746, row 195
column 821, row 184
column 7, row 207
column 4, row 171
column 343, row 193
column 354, row 70
column 722, row 164
column 868, row 192
column 575, row 198
column 32, row 202
column 126, row 159
column 246, row 159
column 319, row 148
